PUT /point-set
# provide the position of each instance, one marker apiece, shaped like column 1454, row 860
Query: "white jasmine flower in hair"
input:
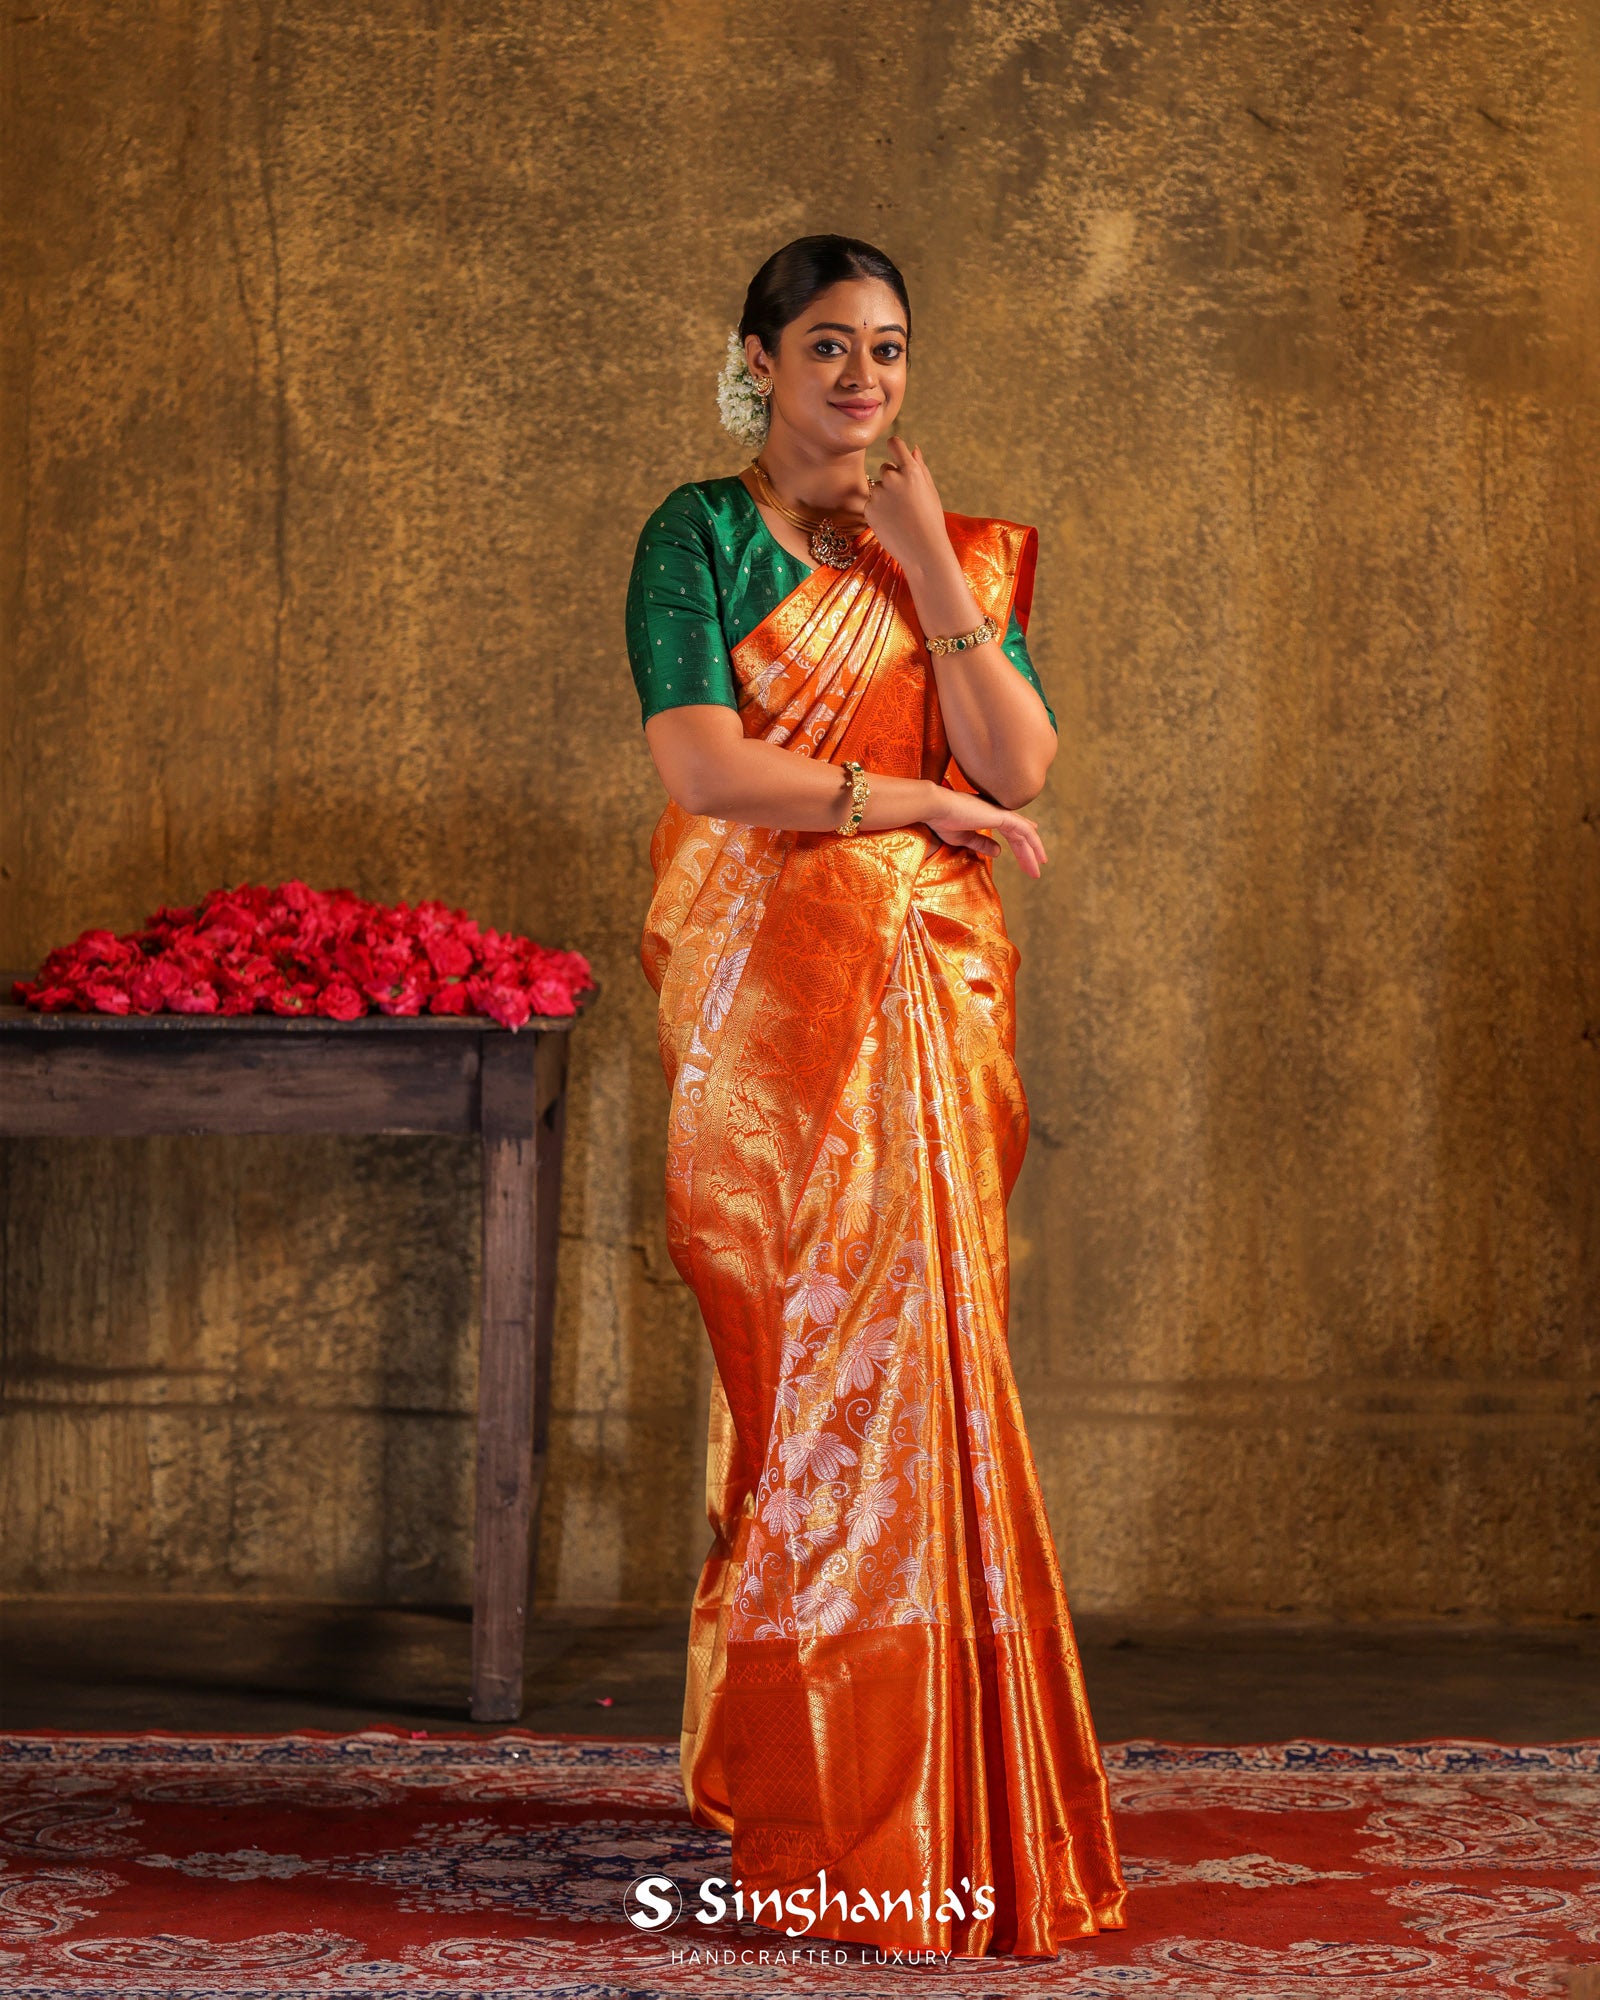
column 740, row 404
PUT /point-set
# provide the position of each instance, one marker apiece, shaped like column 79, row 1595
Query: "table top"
column 16, row 1019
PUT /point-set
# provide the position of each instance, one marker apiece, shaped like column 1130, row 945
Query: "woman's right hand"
column 961, row 820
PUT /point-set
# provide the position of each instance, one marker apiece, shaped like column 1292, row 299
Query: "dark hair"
column 800, row 272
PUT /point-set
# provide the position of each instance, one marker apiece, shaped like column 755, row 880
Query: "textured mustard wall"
column 346, row 347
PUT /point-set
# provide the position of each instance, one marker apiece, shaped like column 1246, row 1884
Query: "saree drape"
column 884, row 1708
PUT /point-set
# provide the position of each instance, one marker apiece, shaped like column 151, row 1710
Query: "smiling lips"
column 858, row 408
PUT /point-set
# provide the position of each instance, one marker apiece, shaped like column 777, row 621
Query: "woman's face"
column 839, row 376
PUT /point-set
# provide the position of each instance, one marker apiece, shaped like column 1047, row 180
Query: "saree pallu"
column 884, row 1705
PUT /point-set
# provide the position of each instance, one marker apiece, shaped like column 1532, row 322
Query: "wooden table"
column 102, row 1075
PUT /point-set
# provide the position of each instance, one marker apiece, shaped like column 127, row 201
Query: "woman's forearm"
column 763, row 784
column 999, row 731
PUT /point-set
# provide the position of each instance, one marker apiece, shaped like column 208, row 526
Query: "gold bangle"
column 980, row 635
column 860, row 792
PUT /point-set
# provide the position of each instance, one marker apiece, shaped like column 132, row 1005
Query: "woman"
column 884, row 1704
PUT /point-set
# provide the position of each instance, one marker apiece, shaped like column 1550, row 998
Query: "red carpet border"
column 387, row 1866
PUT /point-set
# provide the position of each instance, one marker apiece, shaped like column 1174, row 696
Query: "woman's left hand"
column 904, row 511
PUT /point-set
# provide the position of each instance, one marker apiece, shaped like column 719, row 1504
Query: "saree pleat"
column 883, row 1689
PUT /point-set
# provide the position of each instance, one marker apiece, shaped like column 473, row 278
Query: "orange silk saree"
column 884, row 1705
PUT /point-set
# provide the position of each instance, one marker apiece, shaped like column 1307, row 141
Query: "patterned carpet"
column 451, row 1867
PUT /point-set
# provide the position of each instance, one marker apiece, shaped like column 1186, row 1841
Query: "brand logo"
column 652, row 1902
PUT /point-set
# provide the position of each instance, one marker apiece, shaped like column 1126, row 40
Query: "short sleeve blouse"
column 706, row 572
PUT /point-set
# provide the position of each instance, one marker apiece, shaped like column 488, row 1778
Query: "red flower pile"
column 294, row 950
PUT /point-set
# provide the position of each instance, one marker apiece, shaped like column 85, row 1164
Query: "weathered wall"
column 346, row 348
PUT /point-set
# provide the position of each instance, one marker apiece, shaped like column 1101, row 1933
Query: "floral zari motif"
column 883, row 1681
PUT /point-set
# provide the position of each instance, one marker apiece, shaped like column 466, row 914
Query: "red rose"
column 501, row 1001
column 244, row 975
column 355, row 960
column 106, row 998
column 390, row 963
column 551, row 995
column 340, row 1001
column 449, row 956
column 407, row 998
column 149, row 988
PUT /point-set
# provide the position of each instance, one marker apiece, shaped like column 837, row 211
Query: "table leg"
column 509, row 1073
column 550, row 1139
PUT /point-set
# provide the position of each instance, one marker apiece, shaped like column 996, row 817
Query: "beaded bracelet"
column 979, row 636
column 860, row 792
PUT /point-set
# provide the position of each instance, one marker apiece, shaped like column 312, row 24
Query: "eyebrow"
column 837, row 326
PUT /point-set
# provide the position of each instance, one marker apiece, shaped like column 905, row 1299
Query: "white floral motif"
column 864, row 1356
column 866, row 1514
column 784, row 1510
column 723, row 985
column 824, row 1603
column 818, row 1452
column 912, row 1609
column 856, row 1212
column 994, row 1577
column 815, row 1295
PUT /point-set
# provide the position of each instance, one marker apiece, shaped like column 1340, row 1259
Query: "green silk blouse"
column 706, row 572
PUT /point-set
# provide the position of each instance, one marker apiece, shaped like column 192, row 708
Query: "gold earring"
column 763, row 385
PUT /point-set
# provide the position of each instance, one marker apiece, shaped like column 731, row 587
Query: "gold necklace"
column 832, row 541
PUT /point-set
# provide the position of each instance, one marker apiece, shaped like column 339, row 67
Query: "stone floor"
column 231, row 1664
